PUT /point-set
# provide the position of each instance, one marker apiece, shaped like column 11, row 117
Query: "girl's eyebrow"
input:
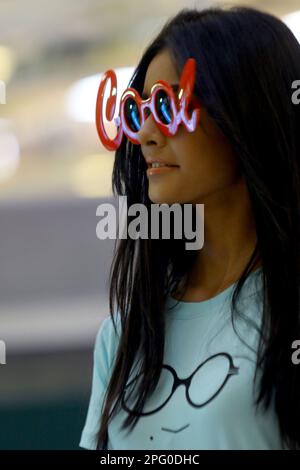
column 175, row 87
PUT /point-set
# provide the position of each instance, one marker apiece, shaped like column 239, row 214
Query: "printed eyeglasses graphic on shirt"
column 167, row 109
column 202, row 386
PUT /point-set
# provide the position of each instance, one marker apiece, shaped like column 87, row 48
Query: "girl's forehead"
column 160, row 68
column 175, row 87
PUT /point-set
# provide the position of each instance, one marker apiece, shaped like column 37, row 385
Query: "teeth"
column 157, row 164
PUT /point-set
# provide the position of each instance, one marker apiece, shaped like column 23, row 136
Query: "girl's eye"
column 163, row 106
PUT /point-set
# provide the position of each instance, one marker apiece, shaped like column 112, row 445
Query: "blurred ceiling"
column 50, row 45
column 40, row 30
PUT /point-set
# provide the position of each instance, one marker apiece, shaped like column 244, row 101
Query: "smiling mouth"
column 160, row 165
column 175, row 430
column 160, row 170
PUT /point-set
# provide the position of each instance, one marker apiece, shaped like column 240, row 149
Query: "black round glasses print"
column 220, row 366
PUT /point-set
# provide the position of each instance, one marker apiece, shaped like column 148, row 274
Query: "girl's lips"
column 161, row 170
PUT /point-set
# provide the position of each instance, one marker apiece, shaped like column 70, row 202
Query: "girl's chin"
column 163, row 199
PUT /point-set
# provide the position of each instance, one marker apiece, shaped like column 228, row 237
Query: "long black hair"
column 247, row 61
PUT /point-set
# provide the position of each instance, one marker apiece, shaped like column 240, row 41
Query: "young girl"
column 197, row 354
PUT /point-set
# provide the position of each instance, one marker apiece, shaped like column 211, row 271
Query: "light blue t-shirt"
column 212, row 404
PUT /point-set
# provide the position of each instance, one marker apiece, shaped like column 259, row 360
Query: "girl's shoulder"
column 107, row 340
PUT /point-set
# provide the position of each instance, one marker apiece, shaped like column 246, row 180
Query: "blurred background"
column 54, row 172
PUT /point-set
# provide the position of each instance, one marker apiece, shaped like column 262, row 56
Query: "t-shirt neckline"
column 186, row 309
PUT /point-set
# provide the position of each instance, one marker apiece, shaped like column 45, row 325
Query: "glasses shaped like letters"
column 168, row 109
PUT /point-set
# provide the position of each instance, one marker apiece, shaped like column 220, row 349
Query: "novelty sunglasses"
column 168, row 109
